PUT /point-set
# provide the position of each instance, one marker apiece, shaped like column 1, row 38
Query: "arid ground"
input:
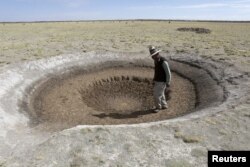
column 32, row 41
column 30, row 53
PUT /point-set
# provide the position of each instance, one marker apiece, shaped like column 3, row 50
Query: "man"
column 162, row 78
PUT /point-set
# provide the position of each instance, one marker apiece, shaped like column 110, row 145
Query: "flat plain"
column 229, row 41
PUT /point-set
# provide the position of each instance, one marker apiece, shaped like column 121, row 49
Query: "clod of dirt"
column 196, row 30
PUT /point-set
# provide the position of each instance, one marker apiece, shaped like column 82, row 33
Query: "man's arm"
column 167, row 71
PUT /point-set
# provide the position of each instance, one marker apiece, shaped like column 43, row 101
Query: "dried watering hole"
column 117, row 92
column 49, row 108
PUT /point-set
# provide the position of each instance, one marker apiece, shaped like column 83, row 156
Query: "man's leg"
column 164, row 103
column 159, row 88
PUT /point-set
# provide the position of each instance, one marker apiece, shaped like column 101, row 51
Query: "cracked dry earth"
column 220, row 117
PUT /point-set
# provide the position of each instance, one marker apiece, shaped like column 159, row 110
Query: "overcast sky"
column 50, row 10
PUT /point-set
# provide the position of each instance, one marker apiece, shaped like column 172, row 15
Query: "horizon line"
column 95, row 20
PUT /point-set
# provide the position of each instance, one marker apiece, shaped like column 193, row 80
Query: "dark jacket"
column 159, row 75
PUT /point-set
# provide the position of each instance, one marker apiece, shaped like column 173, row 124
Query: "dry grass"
column 30, row 41
column 188, row 138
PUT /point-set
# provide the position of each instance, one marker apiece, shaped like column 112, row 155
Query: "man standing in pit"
column 162, row 78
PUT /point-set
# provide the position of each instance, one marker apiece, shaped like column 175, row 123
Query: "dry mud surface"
column 118, row 95
column 219, row 121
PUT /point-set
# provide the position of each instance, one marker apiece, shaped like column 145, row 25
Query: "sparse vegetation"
column 32, row 41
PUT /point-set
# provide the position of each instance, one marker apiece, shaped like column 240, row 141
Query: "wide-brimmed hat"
column 153, row 51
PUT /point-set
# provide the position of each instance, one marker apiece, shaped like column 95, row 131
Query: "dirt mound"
column 195, row 29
